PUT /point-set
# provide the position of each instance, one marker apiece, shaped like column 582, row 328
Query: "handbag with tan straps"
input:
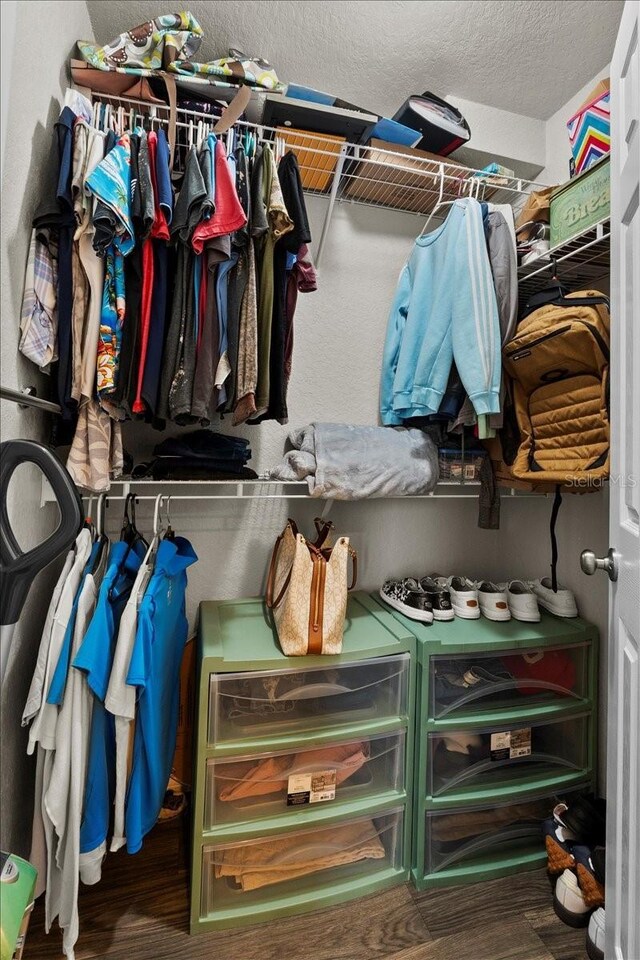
column 307, row 589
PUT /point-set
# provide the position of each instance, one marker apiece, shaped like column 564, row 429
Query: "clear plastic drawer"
column 259, row 705
column 481, row 682
column 476, row 836
column 253, row 787
column 274, row 869
column 490, row 758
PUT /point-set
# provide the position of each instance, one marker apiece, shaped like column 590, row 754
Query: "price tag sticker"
column 317, row 787
column 511, row 744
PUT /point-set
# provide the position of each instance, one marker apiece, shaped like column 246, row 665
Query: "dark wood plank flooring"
column 140, row 912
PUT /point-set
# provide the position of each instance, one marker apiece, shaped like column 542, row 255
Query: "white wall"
column 34, row 95
column 516, row 141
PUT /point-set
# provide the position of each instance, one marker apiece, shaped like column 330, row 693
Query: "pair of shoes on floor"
column 424, row 600
column 575, row 854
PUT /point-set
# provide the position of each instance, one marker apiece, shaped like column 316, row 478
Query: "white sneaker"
column 595, row 935
column 523, row 602
column 568, row 901
column 561, row 602
column 492, row 598
column 464, row 598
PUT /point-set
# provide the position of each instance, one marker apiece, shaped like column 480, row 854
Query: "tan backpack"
column 558, row 365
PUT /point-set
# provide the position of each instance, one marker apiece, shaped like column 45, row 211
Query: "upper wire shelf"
column 332, row 167
column 581, row 261
column 265, row 488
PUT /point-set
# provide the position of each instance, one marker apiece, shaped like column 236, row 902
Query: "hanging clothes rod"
column 272, row 495
column 24, row 399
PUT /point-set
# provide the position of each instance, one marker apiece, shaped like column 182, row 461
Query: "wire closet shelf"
column 580, row 262
column 342, row 171
column 265, row 488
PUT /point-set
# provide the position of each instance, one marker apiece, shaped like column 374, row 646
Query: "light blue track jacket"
column 444, row 309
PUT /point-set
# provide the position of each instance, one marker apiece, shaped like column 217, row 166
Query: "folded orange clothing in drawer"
column 282, row 858
column 237, row 781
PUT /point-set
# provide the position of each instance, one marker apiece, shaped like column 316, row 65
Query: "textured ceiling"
column 526, row 56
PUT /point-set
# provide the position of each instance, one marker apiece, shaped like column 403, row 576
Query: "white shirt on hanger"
column 43, row 728
column 63, row 793
column 56, row 621
column 34, row 697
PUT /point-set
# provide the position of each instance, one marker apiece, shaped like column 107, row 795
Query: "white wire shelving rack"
column 369, row 175
column 580, row 262
column 265, row 488
column 340, row 172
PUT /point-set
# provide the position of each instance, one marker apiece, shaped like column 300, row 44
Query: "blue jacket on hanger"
column 155, row 670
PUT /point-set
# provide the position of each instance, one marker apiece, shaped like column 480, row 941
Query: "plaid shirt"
column 39, row 319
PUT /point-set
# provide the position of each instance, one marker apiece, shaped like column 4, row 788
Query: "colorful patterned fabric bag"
column 168, row 43
column 154, row 45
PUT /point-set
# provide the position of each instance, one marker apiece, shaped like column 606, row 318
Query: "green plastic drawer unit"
column 306, row 749
column 464, row 765
column 268, row 876
column 482, row 842
column 252, row 788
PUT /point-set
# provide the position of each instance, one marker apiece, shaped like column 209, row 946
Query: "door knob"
column 590, row 563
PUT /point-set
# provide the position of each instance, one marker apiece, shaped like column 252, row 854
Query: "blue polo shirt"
column 95, row 658
column 161, row 634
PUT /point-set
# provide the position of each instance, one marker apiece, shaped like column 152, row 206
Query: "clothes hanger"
column 101, row 538
column 438, row 204
column 130, row 533
column 157, row 517
column 169, row 532
column 474, row 189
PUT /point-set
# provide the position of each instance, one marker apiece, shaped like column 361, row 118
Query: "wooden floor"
column 140, row 912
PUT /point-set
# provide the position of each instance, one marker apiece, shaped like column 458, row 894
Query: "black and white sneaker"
column 408, row 597
column 439, row 597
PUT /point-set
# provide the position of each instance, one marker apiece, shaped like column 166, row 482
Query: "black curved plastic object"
column 17, row 568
